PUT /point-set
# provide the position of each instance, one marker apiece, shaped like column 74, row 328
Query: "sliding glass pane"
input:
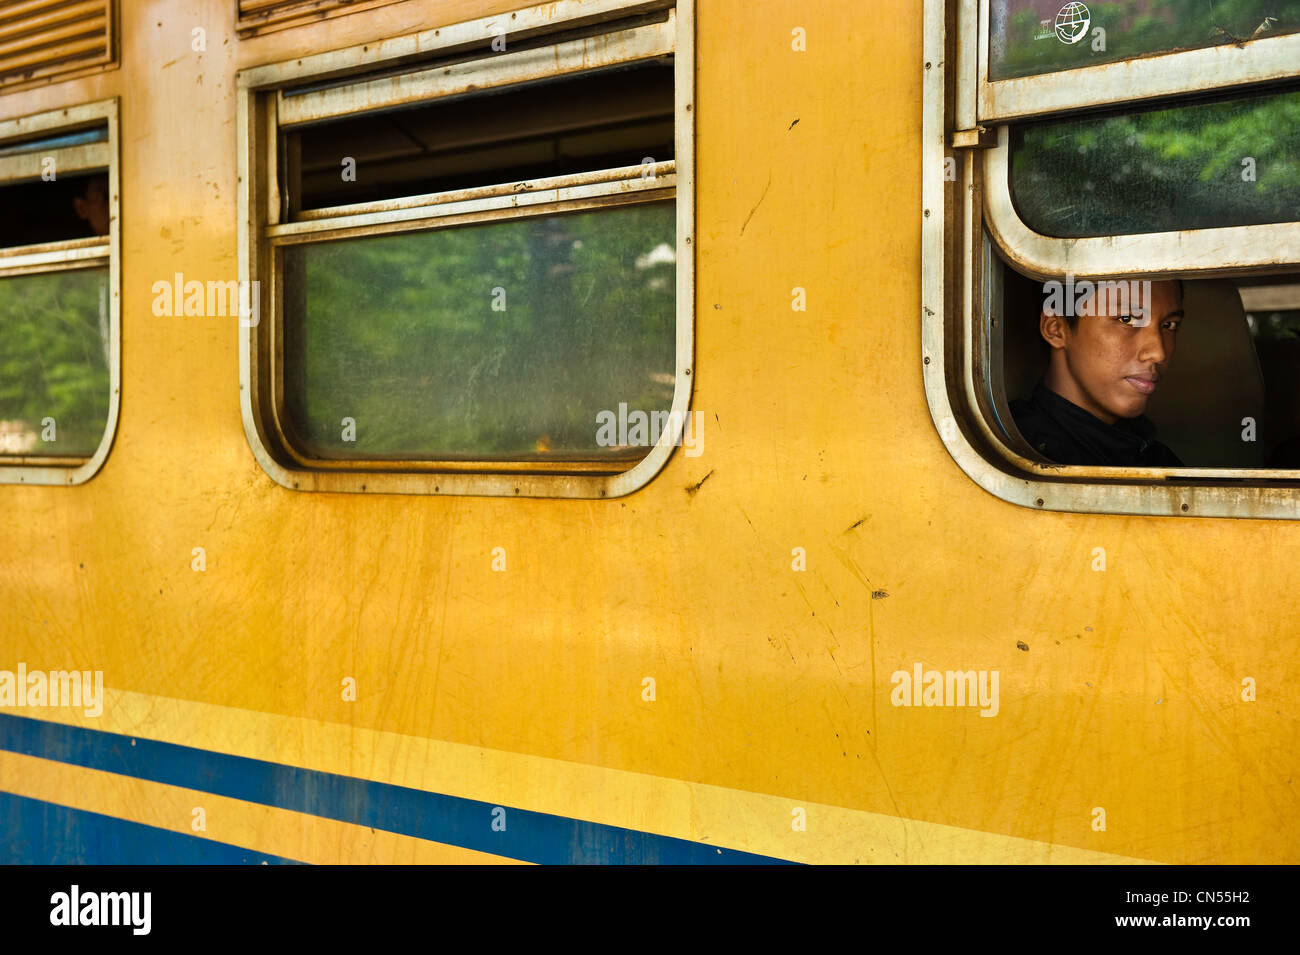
column 1225, row 163
column 1041, row 36
column 54, row 380
column 502, row 341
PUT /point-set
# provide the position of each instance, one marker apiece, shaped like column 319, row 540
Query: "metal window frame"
column 262, row 107
column 565, row 58
column 1128, row 81
column 1191, row 253
column 960, row 350
column 67, row 255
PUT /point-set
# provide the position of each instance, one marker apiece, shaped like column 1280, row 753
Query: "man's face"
column 1111, row 363
column 93, row 206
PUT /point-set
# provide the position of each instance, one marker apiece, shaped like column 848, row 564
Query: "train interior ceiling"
column 1237, row 357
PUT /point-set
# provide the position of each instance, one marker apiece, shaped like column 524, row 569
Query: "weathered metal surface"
column 43, row 39
column 560, row 193
column 498, row 69
column 524, row 687
column 71, row 159
column 1133, row 80
column 657, row 175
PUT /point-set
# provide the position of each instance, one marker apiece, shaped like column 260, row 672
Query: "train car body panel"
column 772, row 589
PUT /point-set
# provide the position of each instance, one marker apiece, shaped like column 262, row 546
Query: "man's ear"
column 1054, row 329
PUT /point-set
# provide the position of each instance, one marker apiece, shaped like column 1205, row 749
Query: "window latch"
column 981, row 137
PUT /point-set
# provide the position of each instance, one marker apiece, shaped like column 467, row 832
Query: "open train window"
column 1111, row 147
column 469, row 249
column 59, row 341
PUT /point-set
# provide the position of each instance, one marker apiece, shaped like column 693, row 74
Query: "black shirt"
column 1063, row 432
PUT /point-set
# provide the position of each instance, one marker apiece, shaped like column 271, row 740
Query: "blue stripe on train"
column 529, row 836
column 33, row 832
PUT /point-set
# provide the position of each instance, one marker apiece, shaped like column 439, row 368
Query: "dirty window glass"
column 1214, row 164
column 54, row 381
column 501, row 341
column 1041, row 36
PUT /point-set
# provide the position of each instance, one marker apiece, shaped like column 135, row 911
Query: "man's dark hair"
column 1073, row 320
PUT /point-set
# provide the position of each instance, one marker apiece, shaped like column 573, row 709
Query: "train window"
column 59, row 342
column 582, row 291
column 471, row 248
column 1203, row 166
column 1040, row 56
column 1111, row 262
column 1237, row 344
column 1040, row 36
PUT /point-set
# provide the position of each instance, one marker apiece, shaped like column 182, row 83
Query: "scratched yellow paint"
column 769, row 683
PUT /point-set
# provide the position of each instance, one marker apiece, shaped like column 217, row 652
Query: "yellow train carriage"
column 344, row 559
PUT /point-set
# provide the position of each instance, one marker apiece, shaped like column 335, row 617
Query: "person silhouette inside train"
column 1108, row 357
column 92, row 205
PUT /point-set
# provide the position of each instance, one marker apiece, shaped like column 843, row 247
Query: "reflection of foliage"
column 1275, row 326
column 400, row 334
column 53, row 357
column 1163, row 170
column 1133, row 28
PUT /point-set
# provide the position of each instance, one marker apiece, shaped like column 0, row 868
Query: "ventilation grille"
column 265, row 16
column 43, row 38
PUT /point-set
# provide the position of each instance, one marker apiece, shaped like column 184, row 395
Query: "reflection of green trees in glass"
column 1234, row 162
column 1275, row 326
column 501, row 340
column 1133, row 28
column 54, row 361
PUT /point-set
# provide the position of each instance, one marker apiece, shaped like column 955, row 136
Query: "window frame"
column 1189, row 251
column 1126, row 81
column 70, row 255
column 968, row 223
column 264, row 233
